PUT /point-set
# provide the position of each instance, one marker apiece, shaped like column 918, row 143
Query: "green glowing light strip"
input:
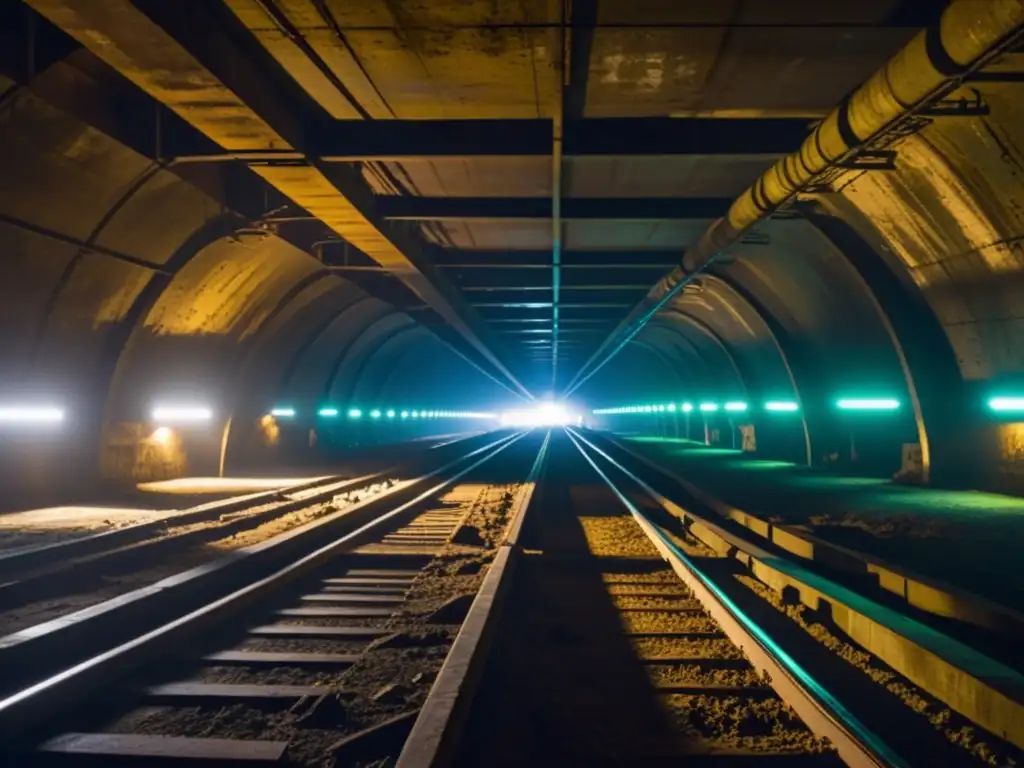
column 863, row 404
column 858, row 730
column 1003, row 404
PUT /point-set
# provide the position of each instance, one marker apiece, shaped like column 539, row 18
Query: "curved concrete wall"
column 907, row 282
column 124, row 286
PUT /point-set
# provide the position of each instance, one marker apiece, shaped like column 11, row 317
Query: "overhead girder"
column 393, row 140
column 210, row 82
column 412, row 208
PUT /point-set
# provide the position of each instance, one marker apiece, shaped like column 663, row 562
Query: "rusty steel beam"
column 414, row 208
column 348, row 141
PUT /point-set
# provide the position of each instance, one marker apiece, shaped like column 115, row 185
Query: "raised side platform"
column 964, row 538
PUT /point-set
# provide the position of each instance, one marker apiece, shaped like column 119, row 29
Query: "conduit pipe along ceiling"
column 933, row 64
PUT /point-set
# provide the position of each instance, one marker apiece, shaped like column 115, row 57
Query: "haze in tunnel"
column 299, row 206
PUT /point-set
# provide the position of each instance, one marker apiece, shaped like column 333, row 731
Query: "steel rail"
column 435, row 734
column 29, row 653
column 820, row 711
column 27, row 709
column 982, row 689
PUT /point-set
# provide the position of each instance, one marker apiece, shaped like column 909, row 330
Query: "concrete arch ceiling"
column 951, row 218
column 307, row 385
column 351, row 364
column 189, row 344
column 657, row 364
column 721, row 377
column 808, row 287
column 383, row 363
column 258, row 383
column 693, row 367
column 87, row 225
column 749, row 341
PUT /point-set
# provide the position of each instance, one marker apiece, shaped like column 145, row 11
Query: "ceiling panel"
column 461, row 73
column 797, row 69
column 643, row 72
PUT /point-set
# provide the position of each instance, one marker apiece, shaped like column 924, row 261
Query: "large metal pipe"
column 967, row 35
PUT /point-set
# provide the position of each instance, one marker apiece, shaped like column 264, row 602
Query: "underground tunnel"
column 716, row 301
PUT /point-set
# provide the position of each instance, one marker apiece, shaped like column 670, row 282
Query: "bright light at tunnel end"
column 544, row 415
column 1004, row 404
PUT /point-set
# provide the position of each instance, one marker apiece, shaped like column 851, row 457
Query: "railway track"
column 298, row 665
column 638, row 634
column 605, row 657
column 909, row 644
column 566, row 615
column 43, row 572
column 56, row 583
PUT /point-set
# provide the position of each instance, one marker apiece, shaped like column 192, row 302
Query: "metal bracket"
column 871, row 160
column 968, row 106
column 789, row 212
column 755, row 238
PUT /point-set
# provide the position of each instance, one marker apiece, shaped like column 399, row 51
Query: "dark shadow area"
column 563, row 684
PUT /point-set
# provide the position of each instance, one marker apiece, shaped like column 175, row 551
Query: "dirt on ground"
column 974, row 744
column 94, row 582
